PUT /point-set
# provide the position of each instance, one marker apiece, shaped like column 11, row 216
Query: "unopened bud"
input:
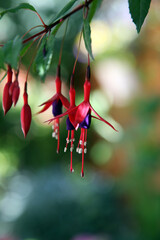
column 26, row 116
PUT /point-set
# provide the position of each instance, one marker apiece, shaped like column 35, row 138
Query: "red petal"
column 26, row 117
column 102, row 119
column 7, row 98
column 64, row 101
column 81, row 113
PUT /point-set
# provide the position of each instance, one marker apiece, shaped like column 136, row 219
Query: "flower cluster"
column 11, row 94
column 77, row 116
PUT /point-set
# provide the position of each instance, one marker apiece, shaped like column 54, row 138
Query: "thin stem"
column 34, row 55
column 31, row 30
column 74, row 67
column 60, row 55
column 41, row 19
column 88, row 60
column 78, row 51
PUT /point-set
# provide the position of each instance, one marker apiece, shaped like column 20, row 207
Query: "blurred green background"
column 119, row 198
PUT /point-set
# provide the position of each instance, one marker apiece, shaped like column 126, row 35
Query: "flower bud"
column 26, row 115
column 15, row 92
column 7, row 98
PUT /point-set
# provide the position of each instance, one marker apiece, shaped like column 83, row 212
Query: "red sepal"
column 64, row 101
column 81, row 113
column 101, row 119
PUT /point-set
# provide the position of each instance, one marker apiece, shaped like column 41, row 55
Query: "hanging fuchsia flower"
column 83, row 118
column 57, row 101
column 80, row 117
column 7, row 98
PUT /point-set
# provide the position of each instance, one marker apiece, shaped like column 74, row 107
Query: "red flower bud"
column 7, row 98
column 26, row 115
column 15, row 91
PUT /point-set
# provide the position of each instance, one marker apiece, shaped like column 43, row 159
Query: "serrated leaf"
column 19, row 7
column 44, row 57
column 66, row 8
column 87, row 37
column 93, row 7
column 11, row 51
column 139, row 10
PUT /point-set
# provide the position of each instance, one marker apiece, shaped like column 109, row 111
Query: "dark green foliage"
column 87, row 37
column 21, row 6
column 139, row 10
column 10, row 52
column 65, row 9
column 93, row 7
column 44, row 56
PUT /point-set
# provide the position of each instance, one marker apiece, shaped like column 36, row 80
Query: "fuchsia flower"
column 56, row 101
column 80, row 117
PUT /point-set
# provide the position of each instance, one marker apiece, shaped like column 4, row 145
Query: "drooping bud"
column 26, row 115
column 7, row 98
column 15, row 93
column 14, row 89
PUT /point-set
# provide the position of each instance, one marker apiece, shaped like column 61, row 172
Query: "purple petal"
column 57, row 107
column 69, row 124
column 86, row 122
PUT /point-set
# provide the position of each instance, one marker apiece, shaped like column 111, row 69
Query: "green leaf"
column 87, row 37
column 3, row 77
column 11, row 51
column 21, row 6
column 56, row 28
column 66, row 8
column 25, row 48
column 44, row 57
column 2, row 59
column 139, row 10
column 93, row 7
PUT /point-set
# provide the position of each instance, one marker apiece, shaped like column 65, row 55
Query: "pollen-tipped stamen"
column 79, row 149
column 82, row 145
column 67, row 141
column 71, row 149
column 55, row 133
